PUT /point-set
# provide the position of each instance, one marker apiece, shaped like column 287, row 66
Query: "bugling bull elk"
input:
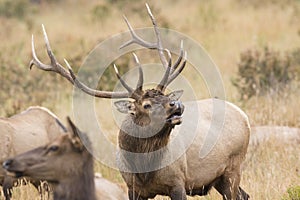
column 154, row 112
column 22, row 132
column 68, row 166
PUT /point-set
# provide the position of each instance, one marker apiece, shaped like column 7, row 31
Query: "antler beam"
column 171, row 72
column 56, row 67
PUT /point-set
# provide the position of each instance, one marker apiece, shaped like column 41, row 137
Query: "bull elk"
column 68, row 166
column 151, row 122
column 22, row 132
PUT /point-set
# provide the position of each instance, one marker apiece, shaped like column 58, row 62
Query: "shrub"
column 17, row 8
column 263, row 72
column 293, row 193
column 295, row 61
column 100, row 12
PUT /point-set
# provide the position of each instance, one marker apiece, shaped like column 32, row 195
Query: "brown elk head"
column 55, row 162
column 147, row 105
column 65, row 163
column 153, row 106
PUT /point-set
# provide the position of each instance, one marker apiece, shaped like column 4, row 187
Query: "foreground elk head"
column 146, row 106
column 64, row 162
column 55, row 162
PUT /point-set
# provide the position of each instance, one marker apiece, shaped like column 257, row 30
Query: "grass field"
column 225, row 28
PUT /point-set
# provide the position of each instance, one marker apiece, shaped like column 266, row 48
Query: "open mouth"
column 16, row 174
column 175, row 118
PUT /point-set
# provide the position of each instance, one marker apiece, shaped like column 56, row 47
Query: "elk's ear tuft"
column 74, row 135
column 72, row 128
column 175, row 95
column 63, row 128
column 125, row 106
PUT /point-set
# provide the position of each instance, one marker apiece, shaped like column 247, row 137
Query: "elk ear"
column 74, row 135
column 175, row 95
column 125, row 106
column 63, row 128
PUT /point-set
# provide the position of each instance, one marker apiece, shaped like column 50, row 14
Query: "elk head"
column 55, row 162
column 154, row 106
column 145, row 106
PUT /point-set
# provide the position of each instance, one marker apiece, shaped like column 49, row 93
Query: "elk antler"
column 135, row 94
column 171, row 72
column 139, row 86
column 56, row 67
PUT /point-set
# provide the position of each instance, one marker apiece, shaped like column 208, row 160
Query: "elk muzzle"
column 8, row 165
column 175, row 114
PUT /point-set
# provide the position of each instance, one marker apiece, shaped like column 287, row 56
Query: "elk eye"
column 172, row 103
column 53, row 148
column 147, row 106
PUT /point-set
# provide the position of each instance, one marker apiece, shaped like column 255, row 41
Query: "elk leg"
column 242, row 195
column 135, row 196
column 8, row 184
column 178, row 193
column 228, row 186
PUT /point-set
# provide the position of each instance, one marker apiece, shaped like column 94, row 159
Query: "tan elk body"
column 68, row 166
column 25, row 131
column 196, row 174
column 150, row 158
column 108, row 190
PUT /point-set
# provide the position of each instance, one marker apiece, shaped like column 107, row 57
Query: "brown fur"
column 67, row 165
column 189, row 174
column 144, row 145
column 147, row 130
column 25, row 131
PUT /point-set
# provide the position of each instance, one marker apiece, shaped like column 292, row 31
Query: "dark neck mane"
column 78, row 187
column 150, row 150
column 143, row 139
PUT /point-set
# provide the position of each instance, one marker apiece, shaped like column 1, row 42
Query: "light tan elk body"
column 149, row 127
column 107, row 190
column 68, row 166
column 25, row 131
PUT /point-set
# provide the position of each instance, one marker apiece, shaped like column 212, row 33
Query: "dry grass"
column 224, row 28
column 277, row 110
column 269, row 170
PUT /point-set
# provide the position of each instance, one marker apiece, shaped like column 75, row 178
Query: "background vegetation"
column 256, row 45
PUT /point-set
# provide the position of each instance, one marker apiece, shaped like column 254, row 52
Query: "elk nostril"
column 7, row 163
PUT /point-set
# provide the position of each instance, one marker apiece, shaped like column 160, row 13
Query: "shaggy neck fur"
column 132, row 139
column 138, row 138
column 78, row 187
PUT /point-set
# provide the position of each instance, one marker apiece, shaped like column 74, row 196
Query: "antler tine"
column 68, row 74
column 127, row 87
column 171, row 72
column 169, row 57
column 140, row 82
column 157, row 33
column 55, row 66
column 36, row 61
column 49, row 51
column 179, row 70
column 178, row 61
column 162, row 85
column 136, row 39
